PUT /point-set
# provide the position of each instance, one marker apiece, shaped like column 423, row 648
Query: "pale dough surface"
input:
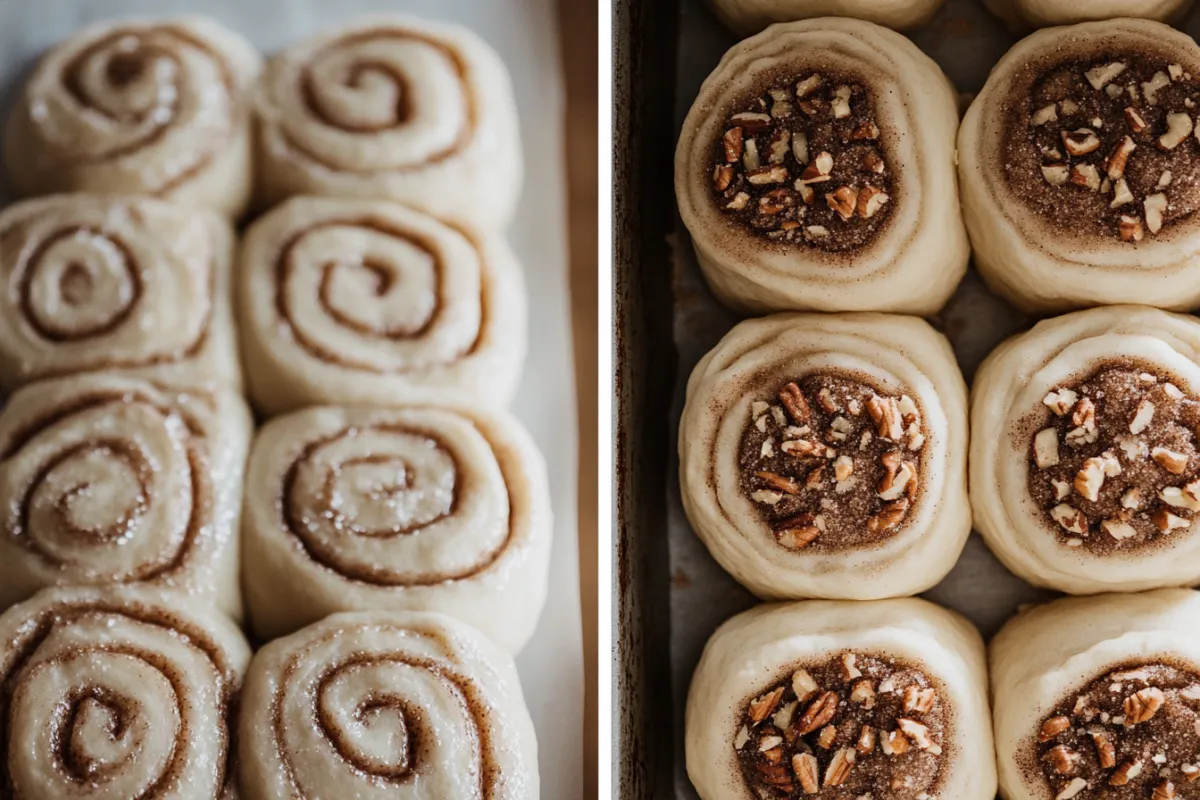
column 1010, row 384
column 158, row 107
column 74, row 661
column 753, row 650
column 115, row 283
column 1051, row 651
column 392, row 106
column 408, row 509
column 371, row 302
column 111, row 480
column 1043, row 13
column 750, row 16
column 899, row 353
column 433, row 683
column 1023, row 257
column 914, row 263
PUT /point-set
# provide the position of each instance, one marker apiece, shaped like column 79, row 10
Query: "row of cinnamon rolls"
column 822, row 163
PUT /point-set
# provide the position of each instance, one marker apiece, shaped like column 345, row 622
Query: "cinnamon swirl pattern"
column 817, row 450
column 144, row 107
column 810, row 167
column 117, row 692
column 115, row 283
column 112, row 480
column 360, row 301
column 380, row 704
column 1090, row 479
column 413, row 508
column 396, row 107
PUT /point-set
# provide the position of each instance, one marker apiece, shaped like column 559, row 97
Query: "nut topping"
column 1143, row 705
column 1081, row 142
column 1179, row 128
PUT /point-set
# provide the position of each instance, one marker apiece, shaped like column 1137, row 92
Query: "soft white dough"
column 1035, row 265
column 1049, row 652
column 430, row 682
column 898, row 352
column 755, row 649
column 751, row 16
column 1042, row 13
column 328, row 122
column 916, row 260
column 472, row 501
column 372, row 302
column 155, row 297
column 179, row 128
column 1011, row 384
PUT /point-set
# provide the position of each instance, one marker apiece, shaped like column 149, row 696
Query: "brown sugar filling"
column 801, row 163
column 852, row 726
column 1114, row 463
column 831, row 463
column 1132, row 733
column 1107, row 147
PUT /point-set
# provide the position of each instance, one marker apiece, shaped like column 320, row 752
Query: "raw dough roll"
column 410, row 508
column 115, row 283
column 383, row 705
column 362, row 301
column 825, row 456
column 1099, row 697
column 1077, row 163
column 841, row 700
column 111, row 480
column 1085, row 467
column 117, row 692
column 393, row 106
column 816, row 171
column 1041, row 13
column 745, row 17
column 154, row 107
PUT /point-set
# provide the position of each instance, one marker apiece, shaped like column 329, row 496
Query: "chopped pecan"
column 792, row 399
column 762, row 707
column 891, row 515
column 819, row 714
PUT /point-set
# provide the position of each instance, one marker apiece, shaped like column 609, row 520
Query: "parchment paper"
column 966, row 41
column 525, row 34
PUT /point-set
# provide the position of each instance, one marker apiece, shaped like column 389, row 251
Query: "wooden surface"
column 578, row 25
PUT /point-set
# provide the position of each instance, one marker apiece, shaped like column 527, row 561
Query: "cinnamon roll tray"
column 458, row 462
column 672, row 594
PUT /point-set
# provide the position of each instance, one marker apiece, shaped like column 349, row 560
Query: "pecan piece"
column 807, row 772
column 1106, row 752
column 1143, row 705
column 762, row 707
column 797, row 532
column 1053, row 727
column 779, row 482
column 839, row 768
column 792, row 399
column 891, row 515
column 734, row 143
column 819, row 714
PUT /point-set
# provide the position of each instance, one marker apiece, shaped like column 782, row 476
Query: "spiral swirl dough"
column 746, row 17
column 117, row 692
column 1023, row 14
column 1078, row 163
column 810, row 167
column 112, row 480
column 832, row 700
column 824, row 456
column 117, row 284
column 1099, row 697
column 396, row 107
column 409, row 509
column 361, row 301
column 385, row 705
column 141, row 107
column 1085, row 481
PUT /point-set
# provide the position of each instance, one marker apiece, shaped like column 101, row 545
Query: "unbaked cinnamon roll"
column 112, row 480
column 1099, row 697
column 1041, row 13
column 365, row 301
column 824, row 456
column 751, row 16
column 154, row 107
column 385, row 704
column 1078, row 162
column 115, row 283
column 841, row 700
column 392, row 106
column 117, row 692
column 1088, row 476
column 815, row 171
column 413, row 508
